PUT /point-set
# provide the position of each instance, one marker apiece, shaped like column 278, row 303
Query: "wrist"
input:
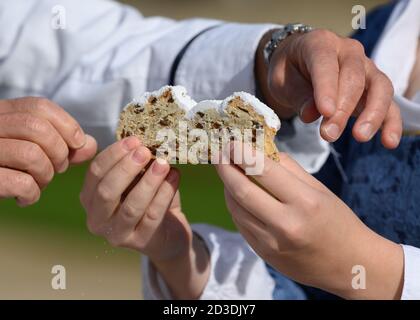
column 263, row 83
column 187, row 274
column 382, row 263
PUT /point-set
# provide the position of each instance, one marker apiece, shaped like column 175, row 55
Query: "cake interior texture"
column 163, row 111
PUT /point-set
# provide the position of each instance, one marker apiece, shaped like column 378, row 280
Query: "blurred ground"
column 53, row 232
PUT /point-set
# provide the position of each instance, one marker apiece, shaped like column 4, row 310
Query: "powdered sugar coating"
column 271, row 119
column 204, row 106
column 179, row 94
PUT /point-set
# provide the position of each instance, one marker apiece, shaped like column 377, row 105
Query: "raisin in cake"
column 171, row 105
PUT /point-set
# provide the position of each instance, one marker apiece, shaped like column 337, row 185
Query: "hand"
column 143, row 212
column 302, row 229
column 322, row 74
column 37, row 139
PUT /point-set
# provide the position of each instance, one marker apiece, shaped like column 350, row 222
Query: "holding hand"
column 303, row 230
column 322, row 74
column 37, row 139
column 143, row 212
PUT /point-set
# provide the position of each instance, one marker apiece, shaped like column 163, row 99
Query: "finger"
column 156, row 211
column 249, row 195
column 138, row 200
column 18, row 185
column 110, row 189
column 38, row 131
column 273, row 175
column 351, row 87
column 292, row 166
column 242, row 216
column 27, row 157
column 322, row 65
column 103, row 162
column 85, row 153
column 66, row 125
column 290, row 88
column 392, row 128
column 378, row 101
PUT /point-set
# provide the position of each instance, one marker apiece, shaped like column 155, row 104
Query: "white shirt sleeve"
column 411, row 289
column 236, row 271
column 93, row 57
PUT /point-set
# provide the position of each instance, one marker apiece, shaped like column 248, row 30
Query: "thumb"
column 85, row 153
column 290, row 88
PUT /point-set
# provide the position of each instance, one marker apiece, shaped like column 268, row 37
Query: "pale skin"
column 37, row 140
column 309, row 75
column 303, row 230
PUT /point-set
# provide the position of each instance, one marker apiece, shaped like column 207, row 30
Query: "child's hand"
column 139, row 213
column 302, row 229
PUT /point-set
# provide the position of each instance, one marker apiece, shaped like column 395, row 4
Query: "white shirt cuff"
column 237, row 273
column 411, row 289
column 221, row 61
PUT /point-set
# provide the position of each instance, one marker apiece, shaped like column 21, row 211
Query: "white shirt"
column 402, row 31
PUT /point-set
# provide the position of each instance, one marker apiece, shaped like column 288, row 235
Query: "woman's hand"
column 302, row 229
column 142, row 211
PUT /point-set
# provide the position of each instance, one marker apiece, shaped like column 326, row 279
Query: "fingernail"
column 366, row 130
column 63, row 167
column 79, row 138
column 130, row 143
column 332, row 131
column 160, row 166
column 139, row 156
column 394, row 138
column 328, row 105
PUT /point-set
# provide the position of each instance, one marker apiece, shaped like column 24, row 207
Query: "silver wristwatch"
column 278, row 36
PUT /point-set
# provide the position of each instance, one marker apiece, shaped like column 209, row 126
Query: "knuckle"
column 296, row 234
column 105, row 193
column 95, row 170
column 25, row 183
column 36, row 124
column 152, row 213
column 323, row 34
column 242, row 192
column 31, row 153
column 27, row 186
column 356, row 46
column 42, row 103
column 129, row 210
column 311, row 204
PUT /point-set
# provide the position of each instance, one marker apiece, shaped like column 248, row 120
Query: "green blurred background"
column 53, row 231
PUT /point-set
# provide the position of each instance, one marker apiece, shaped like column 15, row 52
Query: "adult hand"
column 303, row 230
column 322, row 74
column 37, row 139
column 143, row 212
